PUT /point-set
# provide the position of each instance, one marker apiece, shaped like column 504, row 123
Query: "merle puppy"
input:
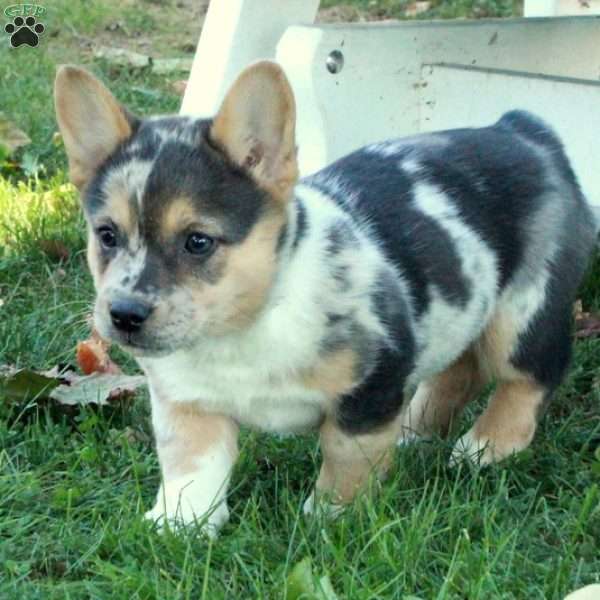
column 439, row 262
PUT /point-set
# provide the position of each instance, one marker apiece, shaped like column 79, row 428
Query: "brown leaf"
column 25, row 385
column 66, row 387
column 164, row 66
column 179, row 86
column 128, row 435
column 416, row 8
column 62, row 373
column 11, row 137
column 99, row 388
column 587, row 325
column 93, row 357
column 54, row 249
column 120, row 57
column 339, row 13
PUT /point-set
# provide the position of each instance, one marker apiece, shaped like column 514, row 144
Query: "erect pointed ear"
column 256, row 127
column 90, row 119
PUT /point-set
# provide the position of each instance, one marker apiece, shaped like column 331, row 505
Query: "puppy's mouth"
column 134, row 343
column 139, row 345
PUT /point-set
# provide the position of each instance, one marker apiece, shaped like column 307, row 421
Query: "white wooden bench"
column 363, row 82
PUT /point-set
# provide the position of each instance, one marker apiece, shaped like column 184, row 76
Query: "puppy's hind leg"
column 506, row 426
column 439, row 401
column 528, row 365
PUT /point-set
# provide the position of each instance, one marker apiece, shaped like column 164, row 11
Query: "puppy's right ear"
column 90, row 119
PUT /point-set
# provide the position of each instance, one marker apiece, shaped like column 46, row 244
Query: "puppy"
column 438, row 262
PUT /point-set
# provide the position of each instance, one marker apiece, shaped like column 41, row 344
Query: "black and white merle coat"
column 438, row 262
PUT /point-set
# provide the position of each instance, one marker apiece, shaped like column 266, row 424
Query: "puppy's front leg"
column 197, row 451
column 349, row 460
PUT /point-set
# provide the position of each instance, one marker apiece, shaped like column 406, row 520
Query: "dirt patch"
column 343, row 13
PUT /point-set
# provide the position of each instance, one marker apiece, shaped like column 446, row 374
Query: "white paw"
column 178, row 520
column 477, row 451
column 180, row 506
column 409, row 437
column 314, row 505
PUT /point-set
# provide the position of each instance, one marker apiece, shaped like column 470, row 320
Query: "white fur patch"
column 253, row 376
column 314, row 505
column 189, row 498
column 447, row 329
column 392, row 148
column 133, row 174
column 471, row 449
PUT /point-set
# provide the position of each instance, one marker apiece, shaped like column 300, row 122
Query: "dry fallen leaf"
column 54, row 249
column 66, row 387
column 121, row 57
column 586, row 324
column 303, row 584
column 416, row 8
column 93, row 357
column 342, row 12
column 179, row 86
column 11, row 137
column 98, row 388
column 24, row 385
column 164, row 66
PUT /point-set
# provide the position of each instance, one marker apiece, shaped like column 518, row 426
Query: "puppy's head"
column 183, row 214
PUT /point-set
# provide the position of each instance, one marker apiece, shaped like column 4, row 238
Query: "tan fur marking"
column 117, row 206
column 349, row 460
column 91, row 121
column 192, row 433
column 438, row 402
column 256, row 127
column 242, row 290
column 180, row 213
column 93, row 258
column 334, row 374
column 496, row 346
column 509, row 422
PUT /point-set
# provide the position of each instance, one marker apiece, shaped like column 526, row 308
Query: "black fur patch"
column 382, row 197
column 301, row 223
column 497, row 182
column 544, row 349
column 341, row 275
column 339, row 237
column 282, row 238
column 378, row 399
column 196, row 170
column 184, row 165
column 216, row 188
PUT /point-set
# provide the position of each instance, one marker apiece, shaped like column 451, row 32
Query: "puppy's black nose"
column 129, row 315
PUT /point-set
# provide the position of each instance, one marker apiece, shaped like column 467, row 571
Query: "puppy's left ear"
column 90, row 119
column 256, row 124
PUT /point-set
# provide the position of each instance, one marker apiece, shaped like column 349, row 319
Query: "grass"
column 438, row 9
column 73, row 485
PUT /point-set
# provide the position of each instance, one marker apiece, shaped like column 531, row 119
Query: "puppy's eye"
column 199, row 244
column 108, row 237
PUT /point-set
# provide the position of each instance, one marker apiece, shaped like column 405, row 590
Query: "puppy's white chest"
column 247, row 393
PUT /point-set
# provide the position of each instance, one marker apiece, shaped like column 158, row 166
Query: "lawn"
column 74, row 484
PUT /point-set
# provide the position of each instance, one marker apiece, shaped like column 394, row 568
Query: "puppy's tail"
column 534, row 130
column 531, row 127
